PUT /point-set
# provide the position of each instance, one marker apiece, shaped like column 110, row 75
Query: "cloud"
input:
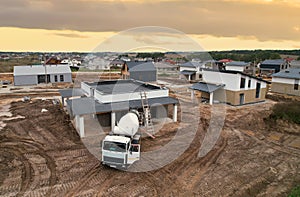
column 70, row 35
column 264, row 20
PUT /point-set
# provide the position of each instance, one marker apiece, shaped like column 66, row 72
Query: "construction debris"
column 44, row 110
column 26, row 98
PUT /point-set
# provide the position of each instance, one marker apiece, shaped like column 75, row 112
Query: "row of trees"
column 247, row 56
column 238, row 55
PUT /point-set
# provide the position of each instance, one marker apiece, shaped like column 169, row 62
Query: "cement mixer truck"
column 121, row 147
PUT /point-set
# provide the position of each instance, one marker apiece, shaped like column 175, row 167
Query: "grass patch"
column 289, row 111
column 295, row 192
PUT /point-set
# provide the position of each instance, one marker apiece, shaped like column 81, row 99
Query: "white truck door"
column 134, row 153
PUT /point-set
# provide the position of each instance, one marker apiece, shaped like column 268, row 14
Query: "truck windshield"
column 115, row 146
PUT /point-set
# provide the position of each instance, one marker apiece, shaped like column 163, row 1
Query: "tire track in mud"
column 139, row 184
column 278, row 147
column 19, row 148
column 204, row 164
column 84, row 181
column 37, row 145
column 191, row 168
column 26, row 171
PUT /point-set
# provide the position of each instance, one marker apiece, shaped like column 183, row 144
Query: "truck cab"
column 120, row 151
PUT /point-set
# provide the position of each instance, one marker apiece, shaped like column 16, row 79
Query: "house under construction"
column 108, row 101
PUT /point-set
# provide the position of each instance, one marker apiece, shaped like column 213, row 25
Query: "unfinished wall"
column 198, row 95
column 285, row 88
column 233, row 97
column 159, row 111
column 220, row 95
column 104, row 119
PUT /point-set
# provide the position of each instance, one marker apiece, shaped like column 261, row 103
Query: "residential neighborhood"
column 160, row 98
column 108, row 96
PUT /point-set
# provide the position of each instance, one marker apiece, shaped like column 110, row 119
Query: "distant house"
column 232, row 87
column 52, row 60
column 116, row 64
column 142, row 71
column 287, row 82
column 269, row 67
column 225, row 60
column 239, row 66
column 295, row 64
column 36, row 74
column 191, row 70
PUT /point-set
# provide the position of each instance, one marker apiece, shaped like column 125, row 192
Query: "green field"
column 8, row 65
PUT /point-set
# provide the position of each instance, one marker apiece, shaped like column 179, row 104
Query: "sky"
column 130, row 25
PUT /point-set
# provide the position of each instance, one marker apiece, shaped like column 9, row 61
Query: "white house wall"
column 85, row 88
column 108, row 98
column 235, row 68
column 283, row 80
column 231, row 81
column 187, row 68
column 253, row 83
column 25, row 80
column 67, row 77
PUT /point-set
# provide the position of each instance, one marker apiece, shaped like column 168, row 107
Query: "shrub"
column 289, row 111
column 295, row 192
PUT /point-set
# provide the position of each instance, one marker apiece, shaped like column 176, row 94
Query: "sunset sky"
column 82, row 25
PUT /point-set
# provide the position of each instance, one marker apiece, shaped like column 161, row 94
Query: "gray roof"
column 41, row 70
column 274, row 62
column 238, row 63
column 191, row 64
column 187, row 72
column 71, row 92
column 206, row 87
column 88, row 105
column 292, row 73
column 122, row 86
column 140, row 66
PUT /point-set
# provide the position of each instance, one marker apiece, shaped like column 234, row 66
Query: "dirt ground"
column 7, row 76
column 77, row 76
column 42, row 155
